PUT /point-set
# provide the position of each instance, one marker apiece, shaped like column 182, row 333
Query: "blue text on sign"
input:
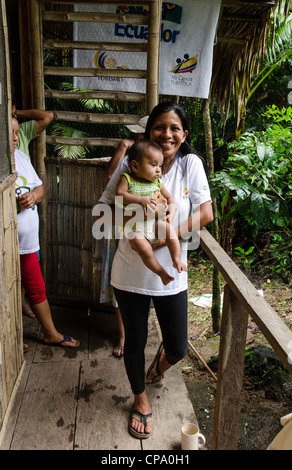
column 141, row 32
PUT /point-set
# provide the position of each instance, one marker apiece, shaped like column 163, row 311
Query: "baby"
column 143, row 187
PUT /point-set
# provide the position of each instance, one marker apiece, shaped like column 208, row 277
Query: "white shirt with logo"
column 187, row 183
column 27, row 219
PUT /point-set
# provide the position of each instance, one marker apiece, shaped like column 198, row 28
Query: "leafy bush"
column 257, row 174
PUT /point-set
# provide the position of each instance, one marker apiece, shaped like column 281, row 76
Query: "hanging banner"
column 188, row 30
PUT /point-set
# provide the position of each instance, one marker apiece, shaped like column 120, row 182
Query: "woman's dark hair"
column 166, row 107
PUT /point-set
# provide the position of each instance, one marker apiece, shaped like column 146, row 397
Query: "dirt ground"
column 267, row 387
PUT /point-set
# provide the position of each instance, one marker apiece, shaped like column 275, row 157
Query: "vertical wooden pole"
column 152, row 92
column 38, row 101
column 8, row 86
column 25, row 58
column 230, row 373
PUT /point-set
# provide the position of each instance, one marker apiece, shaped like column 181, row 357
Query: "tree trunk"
column 216, row 296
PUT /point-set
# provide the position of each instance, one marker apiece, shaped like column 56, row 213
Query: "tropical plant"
column 257, row 175
column 279, row 52
column 65, row 150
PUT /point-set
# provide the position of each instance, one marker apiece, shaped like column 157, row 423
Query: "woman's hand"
column 29, row 199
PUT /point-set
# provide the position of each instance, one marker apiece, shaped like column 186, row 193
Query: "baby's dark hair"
column 139, row 148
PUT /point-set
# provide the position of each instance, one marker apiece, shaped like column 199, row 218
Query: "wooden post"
column 152, row 91
column 230, row 373
column 38, row 102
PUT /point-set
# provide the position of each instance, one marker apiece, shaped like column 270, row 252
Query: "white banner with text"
column 188, row 31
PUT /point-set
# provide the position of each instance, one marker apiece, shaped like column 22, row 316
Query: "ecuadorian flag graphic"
column 186, row 65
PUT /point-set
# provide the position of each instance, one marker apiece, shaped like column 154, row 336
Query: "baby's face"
column 150, row 166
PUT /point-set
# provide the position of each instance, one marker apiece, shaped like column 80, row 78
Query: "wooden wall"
column 11, row 346
column 74, row 257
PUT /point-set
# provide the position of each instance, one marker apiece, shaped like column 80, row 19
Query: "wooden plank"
column 129, row 2
column 169, row 400
column 230, row 372
column 94, row 45
column 95, row 17
column 94, row 72
column 87, row 141
column 271, row 325
column 104, row 404
column 171, row 408
column 47, row 417
column 105, row 398
column 94, row 118
column 105, row 95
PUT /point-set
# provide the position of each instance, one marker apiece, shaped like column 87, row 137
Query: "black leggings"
column 171, row 311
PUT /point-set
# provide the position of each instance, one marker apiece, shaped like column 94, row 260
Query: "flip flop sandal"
column 154, row 364
column 66, row 339
column 144, row 419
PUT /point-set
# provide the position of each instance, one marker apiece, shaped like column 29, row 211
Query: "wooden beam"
column 94, row 118
column 271, row 325
column 152, row 83
column 95, row 95
column 95, row 17
column 86, row 141
column 94, row 72
column 240, row 3
column 228, row 40
column 240, row 17
column 72, row 2
column 230, row 372
column 105, row 46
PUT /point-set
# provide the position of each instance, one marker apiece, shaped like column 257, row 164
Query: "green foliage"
column 244, row 256
column 257, row 173
column 68, row 151
column 280, row 250
column 264, row 367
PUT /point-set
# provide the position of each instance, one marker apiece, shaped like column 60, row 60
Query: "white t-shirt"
column 187, row 183
column 27, row 219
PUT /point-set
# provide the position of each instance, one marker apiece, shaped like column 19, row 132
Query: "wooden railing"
column 241, row 299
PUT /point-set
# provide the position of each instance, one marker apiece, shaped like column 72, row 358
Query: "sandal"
column 66, row 339
column 154, row 364
column 144, row 419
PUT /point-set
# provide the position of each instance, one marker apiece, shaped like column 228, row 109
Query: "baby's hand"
column 149, row 205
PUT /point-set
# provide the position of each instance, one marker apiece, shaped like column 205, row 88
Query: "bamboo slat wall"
column 11, row 356
column 11, row 346
column 74, row 257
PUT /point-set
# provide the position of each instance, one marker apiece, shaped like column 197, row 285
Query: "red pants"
column 32, row 279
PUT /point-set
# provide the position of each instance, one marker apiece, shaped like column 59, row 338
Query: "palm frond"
column 69, row 151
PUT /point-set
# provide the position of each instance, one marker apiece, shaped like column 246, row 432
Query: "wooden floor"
column 80, row 399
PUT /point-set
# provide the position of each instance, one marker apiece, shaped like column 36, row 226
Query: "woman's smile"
column 167, row 131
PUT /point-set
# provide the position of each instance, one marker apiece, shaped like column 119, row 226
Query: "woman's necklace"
column 167, row 165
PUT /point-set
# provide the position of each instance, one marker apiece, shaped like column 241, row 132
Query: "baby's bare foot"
column 166, row 278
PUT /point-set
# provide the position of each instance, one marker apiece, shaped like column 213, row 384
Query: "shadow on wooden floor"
column 80, row 399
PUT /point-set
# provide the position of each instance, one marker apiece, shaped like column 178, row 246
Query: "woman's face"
column 15, row 130
column 167, row 131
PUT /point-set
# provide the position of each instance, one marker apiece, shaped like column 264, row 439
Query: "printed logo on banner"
column 101, row 61
column 186, row 65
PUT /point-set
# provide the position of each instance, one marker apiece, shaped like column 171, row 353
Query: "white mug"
column 191, row 438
